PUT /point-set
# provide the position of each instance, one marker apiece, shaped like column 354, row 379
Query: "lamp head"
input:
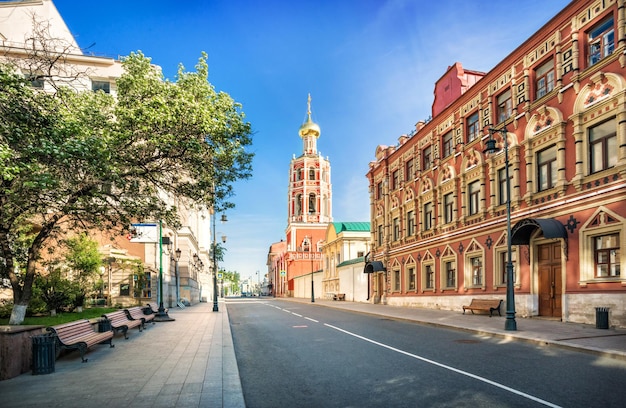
column 177, row 254
column 490, row 146
column 223, row 239
column 223, row 219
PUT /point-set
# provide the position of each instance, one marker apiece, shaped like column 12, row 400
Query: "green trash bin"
column 104, row 325
column 44, row 353
column 602, row 317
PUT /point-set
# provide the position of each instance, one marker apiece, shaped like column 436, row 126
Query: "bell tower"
column 309, row 205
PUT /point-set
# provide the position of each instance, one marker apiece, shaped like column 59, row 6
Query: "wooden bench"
column 154, row 307
column 78, row 335
column 120, row 321
column 339, row 296
column 487, row 305
column 137, row 313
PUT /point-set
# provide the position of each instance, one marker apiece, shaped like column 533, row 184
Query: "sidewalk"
column 189, row 362
column 583, row 337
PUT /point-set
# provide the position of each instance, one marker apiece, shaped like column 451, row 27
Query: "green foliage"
column 141, row 280
column 231, row 282
column 220, row 251
column 5, row 308
column 70, row 160
column 54, row 290
column 84, row 259
column 60, row 318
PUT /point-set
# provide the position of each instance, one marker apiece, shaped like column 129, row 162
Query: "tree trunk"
column 18, row 314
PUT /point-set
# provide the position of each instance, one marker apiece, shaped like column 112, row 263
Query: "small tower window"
column 298, row 204
column 312, row 203
column 312, row 173
column 306, row 244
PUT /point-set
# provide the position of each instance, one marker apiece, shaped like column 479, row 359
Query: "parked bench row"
column 80, row 334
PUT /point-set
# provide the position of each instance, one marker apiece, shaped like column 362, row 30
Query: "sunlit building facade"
column 438, row 201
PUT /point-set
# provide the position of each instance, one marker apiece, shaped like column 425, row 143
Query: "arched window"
column 306, row 244
column 312, row 173
column 312, row 203
column 299, row 204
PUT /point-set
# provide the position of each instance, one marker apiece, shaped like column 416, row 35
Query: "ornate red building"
column 439, row 203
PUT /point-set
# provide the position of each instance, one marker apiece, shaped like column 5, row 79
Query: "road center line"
column 456, row 370
column 313, row 320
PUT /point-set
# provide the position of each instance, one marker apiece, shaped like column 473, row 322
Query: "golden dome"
column 309, row 127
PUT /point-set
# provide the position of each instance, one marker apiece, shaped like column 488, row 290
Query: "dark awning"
column 373, row 266
column 522, row 231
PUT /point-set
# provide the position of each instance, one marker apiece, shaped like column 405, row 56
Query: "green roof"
column 351, row 226
column 352, row 261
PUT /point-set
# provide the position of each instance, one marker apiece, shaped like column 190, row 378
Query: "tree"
column 79, row 160
column 84, row 260
column 231, row 281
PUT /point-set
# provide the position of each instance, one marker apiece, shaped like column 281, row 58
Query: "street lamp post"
column 161, row 315
column 102, row 269
column 215, row 293
column 258, row 284
column 490, row 147
column 177, row 254
column 312, row 284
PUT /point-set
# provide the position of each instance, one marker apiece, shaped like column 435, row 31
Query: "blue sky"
column 369, row 65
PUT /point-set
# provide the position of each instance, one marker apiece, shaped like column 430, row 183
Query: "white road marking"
column 313, row 320
column 456, row 370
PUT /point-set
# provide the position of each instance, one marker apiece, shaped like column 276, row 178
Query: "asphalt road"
column 301, row 355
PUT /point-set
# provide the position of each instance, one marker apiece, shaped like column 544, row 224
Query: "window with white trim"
column 450, row 272
column 501, row 261
column 607, row 255
column 427, row 158
column 396, row 228
column 473, row 197
column 601, row 41
column 473, row 127
column 476, row 268
column 428, row 274
column 412, row 278
column 448, row 144
column 603, row 149
column 448, row 208
column 504, row 108
column 104, row 86
column 544, row 79
column 396, row 280
column 546, row 168
column 409, row 171
column 601, row 241
column 410, row 223
column 428, row 216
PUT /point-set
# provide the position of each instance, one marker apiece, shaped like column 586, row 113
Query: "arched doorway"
column 547, row 263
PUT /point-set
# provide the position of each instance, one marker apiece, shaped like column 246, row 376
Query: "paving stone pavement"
column 189, row 362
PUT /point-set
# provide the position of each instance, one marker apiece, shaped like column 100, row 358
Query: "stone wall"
column 16, row 349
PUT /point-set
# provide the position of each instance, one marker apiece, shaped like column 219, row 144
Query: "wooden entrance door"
column 550, row 283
